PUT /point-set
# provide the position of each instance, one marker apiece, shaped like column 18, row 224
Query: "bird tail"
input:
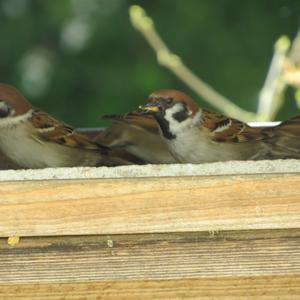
column 286, row 136
column 290, row 126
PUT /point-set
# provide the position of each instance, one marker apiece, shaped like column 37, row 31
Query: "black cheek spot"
column 180, row 116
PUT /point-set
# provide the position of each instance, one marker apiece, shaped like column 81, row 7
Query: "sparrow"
column 197, row 135
column 33, row 139
column 137, row 134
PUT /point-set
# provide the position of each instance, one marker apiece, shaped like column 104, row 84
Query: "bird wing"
column 224, row 129
column 51, row 130
column 146, row 122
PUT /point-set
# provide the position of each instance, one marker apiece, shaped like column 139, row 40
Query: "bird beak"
column 150, row 108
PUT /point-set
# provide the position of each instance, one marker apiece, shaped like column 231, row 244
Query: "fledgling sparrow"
column 33, row 139
column 139, row 135
column 197, row 135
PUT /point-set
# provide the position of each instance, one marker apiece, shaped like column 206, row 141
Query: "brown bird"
column 33, row 139
column 139, row 135
column 197, row 135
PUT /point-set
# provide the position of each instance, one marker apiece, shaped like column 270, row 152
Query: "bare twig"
column 294, row 54
column 292, row 64
column 165, row 57
column 271, row 97
column 292, row 74
column 272, row 93
column 297, row 98
column 293, row 68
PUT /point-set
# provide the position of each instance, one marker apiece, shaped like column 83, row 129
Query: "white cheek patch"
column 178, row 127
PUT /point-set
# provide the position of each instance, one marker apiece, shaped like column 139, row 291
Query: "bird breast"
column 194, row 146
column 21, row 145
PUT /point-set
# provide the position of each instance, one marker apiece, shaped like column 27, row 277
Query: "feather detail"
column 223, row 129
column 290, row 126
column 50, row 129
column 139, row 135
column 146, row 122
column 287, row 136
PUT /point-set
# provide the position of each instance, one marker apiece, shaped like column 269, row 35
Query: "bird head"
column 170, row 101
column 12, row 102
column 172, row 109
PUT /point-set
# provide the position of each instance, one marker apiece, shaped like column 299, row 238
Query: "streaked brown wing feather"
column 50, row 129
column 146, row 122
column 223, row 129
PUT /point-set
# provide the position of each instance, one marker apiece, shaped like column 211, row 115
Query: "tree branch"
column 271, row 96
column 165, row 57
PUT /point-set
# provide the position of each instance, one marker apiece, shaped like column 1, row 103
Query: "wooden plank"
column 151, row 256
column 147, row 205
column 249, row 288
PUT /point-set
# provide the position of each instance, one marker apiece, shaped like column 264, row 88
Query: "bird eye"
column 4, row 109
column 169, row 100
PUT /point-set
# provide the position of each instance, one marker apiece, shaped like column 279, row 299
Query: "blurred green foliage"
column 79, row 59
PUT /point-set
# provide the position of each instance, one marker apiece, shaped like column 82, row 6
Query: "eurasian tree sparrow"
column 197, row 135
column 33, row 139
column 139, row 135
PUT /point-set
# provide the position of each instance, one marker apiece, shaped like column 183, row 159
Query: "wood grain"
column 151, row 256
column 148, row 205
column 249, row 288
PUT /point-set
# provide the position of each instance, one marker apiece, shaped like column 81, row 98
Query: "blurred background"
column 79, row 59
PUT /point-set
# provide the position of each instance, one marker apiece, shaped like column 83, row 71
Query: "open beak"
column 150, row 108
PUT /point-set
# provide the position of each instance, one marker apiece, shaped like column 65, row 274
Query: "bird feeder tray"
column 229, row 230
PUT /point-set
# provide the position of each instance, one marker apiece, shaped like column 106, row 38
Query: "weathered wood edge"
column 151, row 256
column 246, row 288
column 230, row 168
column 149, row 205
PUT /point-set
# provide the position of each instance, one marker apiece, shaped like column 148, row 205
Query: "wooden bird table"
column 223, row 230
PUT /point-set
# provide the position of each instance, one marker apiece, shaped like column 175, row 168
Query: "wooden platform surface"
column 149, row 205
column 151, row 256
column 243, row 288
column 197, row 237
